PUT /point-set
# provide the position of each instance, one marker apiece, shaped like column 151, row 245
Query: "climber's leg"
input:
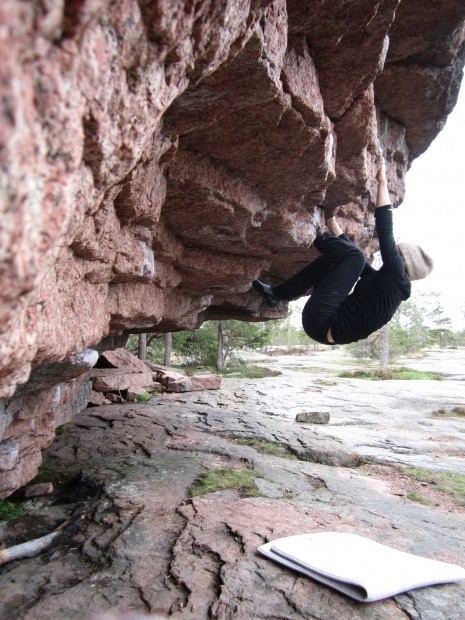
column 331, row 292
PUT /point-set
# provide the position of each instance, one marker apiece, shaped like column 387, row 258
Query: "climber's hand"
column 381, row 176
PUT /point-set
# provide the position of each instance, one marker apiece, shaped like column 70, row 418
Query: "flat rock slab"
column 144, row 544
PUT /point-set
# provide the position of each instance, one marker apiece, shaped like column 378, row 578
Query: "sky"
column 433, row 213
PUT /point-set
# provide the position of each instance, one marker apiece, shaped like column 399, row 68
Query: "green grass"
column 250, row 371
column 237, row 368
column 143, row 398
column 60, row 429
column 266, row 447
column 407, row 374
column 416, row 497
column 456, row 412
column 259, row 372
column 222, row 479
column 10, row 511
column 450, row 483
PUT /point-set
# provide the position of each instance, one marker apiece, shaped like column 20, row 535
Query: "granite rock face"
column 156, row 156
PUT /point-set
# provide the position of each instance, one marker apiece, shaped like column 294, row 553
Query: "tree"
column 142, row 347
column 220, row 348
column 168, row 339
column 434, row 311
column 202, row 346
column 237, row 335
column 384, row 349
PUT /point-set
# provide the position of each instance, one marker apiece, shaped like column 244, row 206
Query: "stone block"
column 313, row 417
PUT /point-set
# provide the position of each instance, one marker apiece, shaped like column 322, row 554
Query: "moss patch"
column 450, row 483
column 407, row 374
column 416, row 497
column 143, row 398
column 11, row 510
column 243, row 480
column 266, row 447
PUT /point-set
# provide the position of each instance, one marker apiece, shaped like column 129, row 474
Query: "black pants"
column 331, row 278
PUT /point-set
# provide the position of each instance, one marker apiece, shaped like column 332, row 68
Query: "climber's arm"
column 333, row 226
column 384, row 223
column 382, row 197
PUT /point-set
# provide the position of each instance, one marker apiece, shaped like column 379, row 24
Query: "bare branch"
column 32, row 547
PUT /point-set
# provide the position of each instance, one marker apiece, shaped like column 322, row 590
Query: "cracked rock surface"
column 140, row 541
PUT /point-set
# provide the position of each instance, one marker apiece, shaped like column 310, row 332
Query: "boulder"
column 96, row 399
column 118, row 379
column 122, row 358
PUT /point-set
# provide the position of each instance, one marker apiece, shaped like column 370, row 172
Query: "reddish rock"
column 96, row 398
column 205, row 382
column 32, row 420
column 193, row 384
column 175, row 381
column 122, row 358
column 118, row 379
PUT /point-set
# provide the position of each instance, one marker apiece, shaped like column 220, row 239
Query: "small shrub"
column 60, row 429
column 10, row 511
column 455, row 412
column 143, row 398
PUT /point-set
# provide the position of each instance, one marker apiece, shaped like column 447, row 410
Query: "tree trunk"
column 168, row 349
column 220, row 349
column 142, row 347
column 384, row 348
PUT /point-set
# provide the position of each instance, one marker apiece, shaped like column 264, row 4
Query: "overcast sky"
column 433, row 213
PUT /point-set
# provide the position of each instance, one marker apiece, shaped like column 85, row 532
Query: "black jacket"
column 378, row 293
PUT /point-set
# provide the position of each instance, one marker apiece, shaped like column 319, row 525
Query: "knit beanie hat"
column 417, row 262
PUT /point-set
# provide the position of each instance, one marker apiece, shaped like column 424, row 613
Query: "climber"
column 334, row 315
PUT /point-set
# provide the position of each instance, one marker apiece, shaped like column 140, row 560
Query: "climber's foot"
column 266, row 291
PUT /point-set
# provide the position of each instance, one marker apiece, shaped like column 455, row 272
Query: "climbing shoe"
column 266, row 291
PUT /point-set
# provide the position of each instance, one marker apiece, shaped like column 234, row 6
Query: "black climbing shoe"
column 266, row 291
